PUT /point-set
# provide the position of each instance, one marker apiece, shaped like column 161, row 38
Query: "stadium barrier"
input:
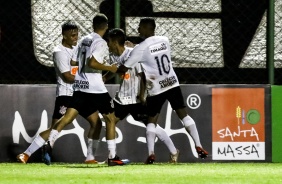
column 234, row 124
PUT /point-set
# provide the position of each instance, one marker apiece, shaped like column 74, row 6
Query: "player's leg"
column 139, row 113
column 175, row 98
column 154, row 105
column 93, row 137
column 70, row 115
column 106, row 108
column 61, row 103
column 163, row 136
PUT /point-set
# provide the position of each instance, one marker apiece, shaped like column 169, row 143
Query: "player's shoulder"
column 58, row 48
column 155, row 39
column 160, row 38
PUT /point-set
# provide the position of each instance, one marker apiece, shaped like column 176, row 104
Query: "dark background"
column 240, row 20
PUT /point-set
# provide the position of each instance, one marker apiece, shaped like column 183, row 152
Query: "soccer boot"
column 46, row 153
column 201, row 152
column 22, row 158
column 150, row 159
column 115, row 161
column 174, row 157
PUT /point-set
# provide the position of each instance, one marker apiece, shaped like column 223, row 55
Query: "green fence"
column 213, row 41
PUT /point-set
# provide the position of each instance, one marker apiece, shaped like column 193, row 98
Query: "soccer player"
column 62, row 54
column 91, row 95
column 162, row 83
column 131, row 95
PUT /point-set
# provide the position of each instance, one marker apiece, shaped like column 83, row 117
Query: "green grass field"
column 236, row 173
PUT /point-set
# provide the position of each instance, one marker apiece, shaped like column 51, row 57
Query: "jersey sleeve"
column 136, row 56
column 75, row 53
column 102, row 53
column 139, row 68
column 62, row 61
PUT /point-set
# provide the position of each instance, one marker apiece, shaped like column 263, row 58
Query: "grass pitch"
column 160, row 173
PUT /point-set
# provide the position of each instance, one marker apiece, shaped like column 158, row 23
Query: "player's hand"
column 114, row 68
column 128, row 44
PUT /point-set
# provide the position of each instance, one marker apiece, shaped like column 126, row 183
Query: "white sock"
column 35, row 145
column 91, row 148
column 191, row 128
column 112, row 148
column 151, row 135
column 90, row 155
column 53, row 137
column 162, row 135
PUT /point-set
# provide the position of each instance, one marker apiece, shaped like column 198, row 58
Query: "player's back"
column 156, row 61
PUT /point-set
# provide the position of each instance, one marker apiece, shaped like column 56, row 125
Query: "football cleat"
column 174, row 158
column 46, row 153
column 201, row 152
column 22, row 158
column 115, row 161
column 150, row 159
column 91, row 161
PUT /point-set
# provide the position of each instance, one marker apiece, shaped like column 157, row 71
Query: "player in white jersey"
column 154, row 54
column 130, row 97
column 62, row 55
column 91, row 96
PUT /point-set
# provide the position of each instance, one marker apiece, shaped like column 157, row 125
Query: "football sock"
column 35, row 145
column 162, row 135
column 91, row 148
column 191, row 128
column 53, row 137
column 111, row 148
column 151, row 135
column 90, row 155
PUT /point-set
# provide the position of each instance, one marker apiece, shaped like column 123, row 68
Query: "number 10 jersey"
column 155, row 56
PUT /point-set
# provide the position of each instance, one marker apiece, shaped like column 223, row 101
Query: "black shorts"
column 88, row 103
column 61, row 105
column 137, row 111
column 174, row 96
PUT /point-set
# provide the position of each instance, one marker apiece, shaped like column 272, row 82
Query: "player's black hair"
column 148, row 21
column 68, row 25
column 99, row 21
column 117, row 34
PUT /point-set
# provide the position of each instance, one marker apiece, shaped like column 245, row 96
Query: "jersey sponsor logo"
column 157, row 48
column 168, row 82
column 80, row 84
column 74, row 70
column 63, row 110
column 126, row 76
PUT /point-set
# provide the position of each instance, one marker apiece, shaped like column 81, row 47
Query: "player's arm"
column 122, row 69
column 73, row 63
column 68, row 77
column 93, row 63
column 142, row 87
column 96, row 60
column 63, row 64
column 135, row 57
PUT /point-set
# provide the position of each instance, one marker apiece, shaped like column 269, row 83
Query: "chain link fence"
column 213, row 41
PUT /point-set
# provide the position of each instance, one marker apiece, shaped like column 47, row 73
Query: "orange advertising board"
column 238, row 123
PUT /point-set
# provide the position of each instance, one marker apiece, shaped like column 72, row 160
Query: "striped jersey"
column 87, row 79
column 130, row 82
column 62, row 57
column 154, row 54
